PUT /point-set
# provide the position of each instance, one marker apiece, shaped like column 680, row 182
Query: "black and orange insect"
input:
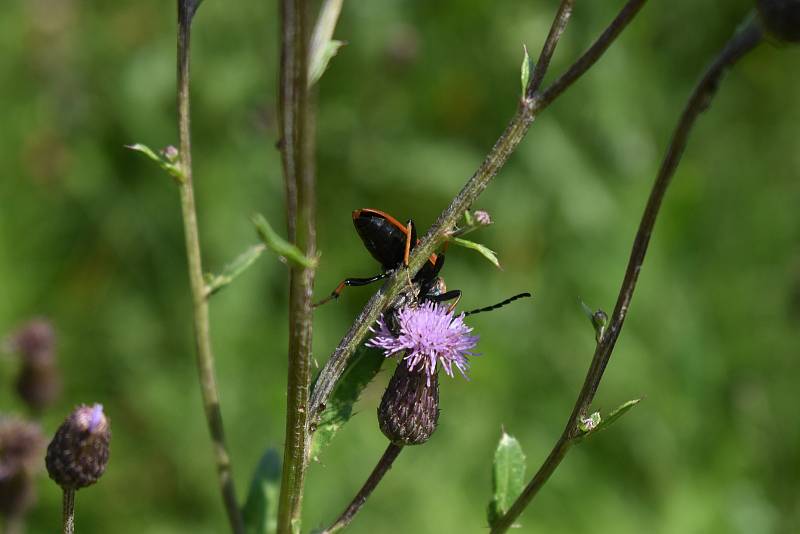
column 390, row 242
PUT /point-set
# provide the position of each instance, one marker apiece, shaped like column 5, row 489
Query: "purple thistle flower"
column 430, row 335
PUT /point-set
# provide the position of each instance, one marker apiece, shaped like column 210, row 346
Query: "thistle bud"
column 431, row 337
column 38, row 382
column 482, row 217
column 78, row 454
column 409, row 411
column 781, row 18
column 21, row 445
column 35, row 341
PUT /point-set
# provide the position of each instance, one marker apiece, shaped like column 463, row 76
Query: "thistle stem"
column 297, row 157
column 743, row 41
column 205, row 356
column 528, row 109
column 68, row 511
column 383, row 466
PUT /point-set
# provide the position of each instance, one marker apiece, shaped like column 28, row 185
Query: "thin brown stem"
column 383, row 466
column 549, row 47
column 740, row 44
column 528, row 109
column 205, row 356
column 296, row 131
column 594, row 52
column 68, row 511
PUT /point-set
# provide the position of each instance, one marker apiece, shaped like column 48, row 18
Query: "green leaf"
column 323, row 47
column 508, row 476
column 260, row 511
column 279, row 245
column 483, row 250
column 169, row 164
column 605, row 422
column 361, row 369
column 215, row 282
column 319, row 63
column 525, row 70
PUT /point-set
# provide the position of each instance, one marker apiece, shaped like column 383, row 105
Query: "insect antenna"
column 498, row 305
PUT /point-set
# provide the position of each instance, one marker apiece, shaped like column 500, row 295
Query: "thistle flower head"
column 21, row 445
column 78, row 454
column 431, row 336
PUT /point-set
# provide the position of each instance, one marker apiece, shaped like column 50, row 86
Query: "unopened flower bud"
column 78, row 454
column 409, row 411
column 482, row 217
column 781, row 18
column 39, row 385
column 35, row 341
column 38, row 382
column 170, row 153
column 21, row 445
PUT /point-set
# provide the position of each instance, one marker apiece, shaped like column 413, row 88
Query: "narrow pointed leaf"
column 525, row 70
column 607, row 421
column 260, row 510
column 508, row 476
column 279, row 245
column 483, row 250
column 215, row 282
column 320, row 61
column 361, row 369
column 323, row 47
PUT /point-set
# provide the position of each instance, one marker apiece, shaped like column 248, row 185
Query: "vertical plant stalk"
column 527, row 111
column 68, row 511
column 743, row 41
column 382, row 467
column 205, row 356
column 297, row 152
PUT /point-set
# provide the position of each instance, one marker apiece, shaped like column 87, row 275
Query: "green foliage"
column 525, row 70
column 508, row 476
column 215, row 282
column 595, row 423
column 361, row 369
column 483, row 250
column 91, row 237
column 167, row 161
column 279, row 245
column 260, row 510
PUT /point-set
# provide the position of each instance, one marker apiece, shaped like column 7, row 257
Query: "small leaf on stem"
column 525, row 70
column 483, row 250
column 323, row 46
column 361, row 369
column 320, row 61
column 598, row 318
column 215, row 282
column 594, row 423
column 261, row 507
column 508, row 476
column 279, row 245
column 167, row 161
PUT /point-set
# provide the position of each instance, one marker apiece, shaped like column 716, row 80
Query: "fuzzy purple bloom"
column 430, row 335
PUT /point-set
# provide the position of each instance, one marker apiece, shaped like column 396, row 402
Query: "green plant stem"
column 747, row 38
column 68, row 511
column 382, row 467
column 297, row 152
column 528, row 109
column 205, row 357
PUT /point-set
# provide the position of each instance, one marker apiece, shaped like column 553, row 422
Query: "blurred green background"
column 91, row 237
